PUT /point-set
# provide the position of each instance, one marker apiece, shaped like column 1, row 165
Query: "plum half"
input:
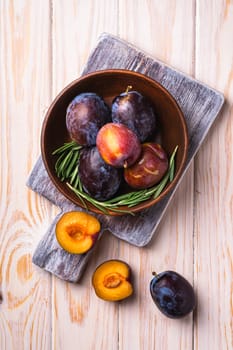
column 85, row 115
column 77, row 232
column 134, row 110
column 112, row 280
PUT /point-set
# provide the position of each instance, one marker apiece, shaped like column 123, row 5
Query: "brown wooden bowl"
column 108, row 84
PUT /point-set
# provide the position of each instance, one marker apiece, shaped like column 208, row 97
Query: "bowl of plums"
column 114, row 142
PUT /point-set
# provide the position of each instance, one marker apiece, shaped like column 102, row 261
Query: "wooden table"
column 43, row 46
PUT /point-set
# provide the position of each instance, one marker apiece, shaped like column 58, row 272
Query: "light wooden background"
column 43, row 46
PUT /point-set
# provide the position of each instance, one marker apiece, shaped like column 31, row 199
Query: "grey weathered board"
column 200, row 105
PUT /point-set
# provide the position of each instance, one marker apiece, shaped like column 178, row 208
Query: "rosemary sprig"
column 66, row 168
column 66, row 164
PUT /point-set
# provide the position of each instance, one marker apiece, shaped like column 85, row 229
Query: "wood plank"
column 142, row 326
column 80, row 319
column 161, row 30
column 214, row 186
column 25, row 94
column 200, row 106
column 79, row 28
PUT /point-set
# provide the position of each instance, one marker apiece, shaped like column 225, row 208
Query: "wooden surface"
column 200, row 105
column 43, row 46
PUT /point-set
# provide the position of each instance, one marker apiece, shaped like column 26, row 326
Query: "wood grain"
column 43, row 46
column 77, row 306
column 162, row 37
column 200, row 106
column 25, row 93
column 213, row 184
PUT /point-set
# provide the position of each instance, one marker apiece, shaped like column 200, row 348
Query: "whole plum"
column 85, row 115
column 149, row 168
column 172, row 294
column 99, row 179
column 132, row 109
column 118, row 145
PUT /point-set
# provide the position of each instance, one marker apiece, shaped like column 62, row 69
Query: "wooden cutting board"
column 200, row 105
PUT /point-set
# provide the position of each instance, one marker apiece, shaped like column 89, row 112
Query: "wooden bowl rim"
column 104, row 72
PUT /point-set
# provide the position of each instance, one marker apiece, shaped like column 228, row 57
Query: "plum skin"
column 134, row 110
column 85, row 115
column 100, row 180
column 118, row 145
column 149, row 168
column 172, row 294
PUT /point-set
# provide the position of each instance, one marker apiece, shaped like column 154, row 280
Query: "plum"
column 172, row 294
column 77, row 231
column 149, row 168
column 112, row 280
column 118, row 145
column 100, row 180
column 132, row 109
column 85, row 115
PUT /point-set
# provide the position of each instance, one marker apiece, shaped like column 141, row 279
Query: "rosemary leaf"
column 73, row 163
column 65, row 164
column 172, row 171
column 78, row 194
column 65, row 161
column 73, row 175
column 65, row 147
column 161, row 185
column 59, row 161
column 83, row 195
column 172, row 164
column 77, row 182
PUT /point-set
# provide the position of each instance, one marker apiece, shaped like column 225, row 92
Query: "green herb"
column 66, row 164
column 66, row 168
